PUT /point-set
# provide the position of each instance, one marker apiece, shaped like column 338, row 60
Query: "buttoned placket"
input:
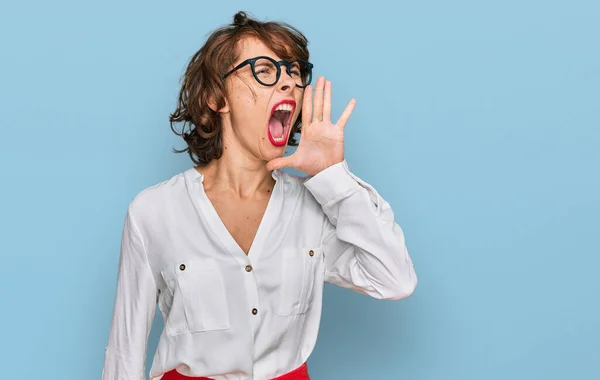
column 245, row 262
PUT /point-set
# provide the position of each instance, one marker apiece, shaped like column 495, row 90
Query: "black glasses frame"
column 278, row 64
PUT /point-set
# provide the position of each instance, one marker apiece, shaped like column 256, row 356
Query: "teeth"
column 284, row 107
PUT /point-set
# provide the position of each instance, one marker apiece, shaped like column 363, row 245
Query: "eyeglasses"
column 267, row 71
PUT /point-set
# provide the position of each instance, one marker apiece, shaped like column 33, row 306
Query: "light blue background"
column 477, row 121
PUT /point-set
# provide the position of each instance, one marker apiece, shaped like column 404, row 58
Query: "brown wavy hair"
column 202, row 81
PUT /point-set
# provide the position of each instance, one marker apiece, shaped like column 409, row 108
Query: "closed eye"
column 263, row 70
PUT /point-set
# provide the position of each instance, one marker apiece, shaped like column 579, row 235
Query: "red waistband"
column 300, row 373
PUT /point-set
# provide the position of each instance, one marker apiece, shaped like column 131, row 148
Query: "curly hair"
column 202, row 81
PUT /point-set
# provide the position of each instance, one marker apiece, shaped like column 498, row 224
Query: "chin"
column 275, row 151
column 271, row 151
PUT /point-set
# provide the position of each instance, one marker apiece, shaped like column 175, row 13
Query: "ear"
column 213, row 105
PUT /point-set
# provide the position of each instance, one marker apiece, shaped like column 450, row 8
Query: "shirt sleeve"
column 134, row 309
column 364, row 247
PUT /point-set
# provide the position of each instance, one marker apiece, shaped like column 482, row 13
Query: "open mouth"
column 280, row 122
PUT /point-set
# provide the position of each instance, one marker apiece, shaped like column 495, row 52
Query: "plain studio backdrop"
column 478, row 122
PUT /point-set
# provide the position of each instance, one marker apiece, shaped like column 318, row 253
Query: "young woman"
column 234, row 250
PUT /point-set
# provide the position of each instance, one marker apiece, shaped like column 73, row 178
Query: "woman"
column 235, row 250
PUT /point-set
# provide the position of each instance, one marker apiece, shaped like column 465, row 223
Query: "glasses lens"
column 301, row 72
column 265, row 71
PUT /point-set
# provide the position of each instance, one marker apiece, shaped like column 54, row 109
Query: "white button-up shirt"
column 229, row 315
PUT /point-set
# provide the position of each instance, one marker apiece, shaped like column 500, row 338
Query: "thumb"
column 280, row 162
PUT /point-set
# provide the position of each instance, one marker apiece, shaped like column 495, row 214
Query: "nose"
column 286, row 83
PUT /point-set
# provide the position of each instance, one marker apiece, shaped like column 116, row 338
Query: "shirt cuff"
column 333, row 183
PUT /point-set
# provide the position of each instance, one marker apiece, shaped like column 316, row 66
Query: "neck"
column 237, row 172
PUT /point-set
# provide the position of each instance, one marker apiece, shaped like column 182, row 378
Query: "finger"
column 307, row 106
column 346, row 114
column 318, row 106
column 327, row 102
column 280, row 162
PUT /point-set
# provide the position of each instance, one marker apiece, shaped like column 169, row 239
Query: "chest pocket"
column 299, row 274
column 195, row 298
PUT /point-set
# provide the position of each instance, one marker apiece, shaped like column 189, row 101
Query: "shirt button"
column 255, row 311
column 182, row 267
column 311, row 253
column 248, row 268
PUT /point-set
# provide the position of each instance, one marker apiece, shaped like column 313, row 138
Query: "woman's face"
column 257, row 119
